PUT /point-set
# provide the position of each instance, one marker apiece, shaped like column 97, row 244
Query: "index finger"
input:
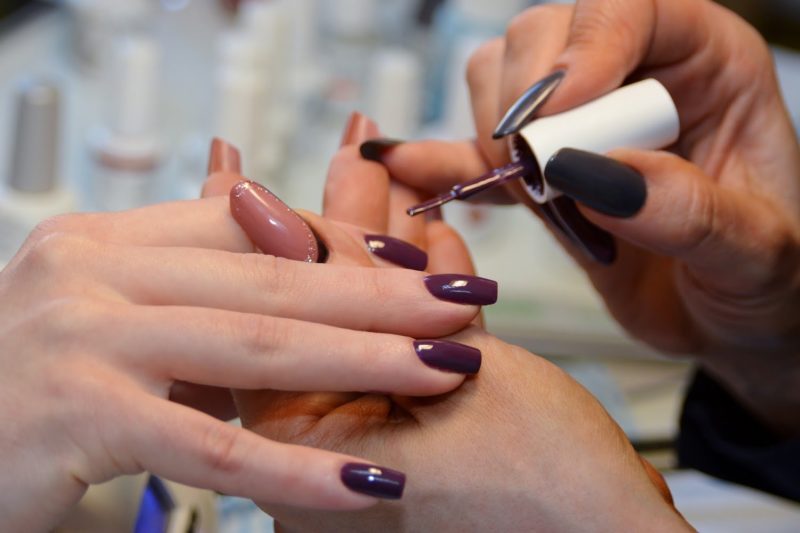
column 611, row 39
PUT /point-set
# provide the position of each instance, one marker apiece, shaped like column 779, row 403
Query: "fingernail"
column 373, row 480
column 523, row 110
column 271, row 224
column 596, row 243
column 449, row 356
column 605, row 185
column 374, row 150
column 358, row 129
column 396, row 251
column 223, row 157
column 462, row 289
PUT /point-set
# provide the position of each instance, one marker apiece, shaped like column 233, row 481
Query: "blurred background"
column 108, row 105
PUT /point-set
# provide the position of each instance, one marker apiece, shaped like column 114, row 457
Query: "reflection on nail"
column 524, row 109
column 373, row 480
column 272, row 225
column 449, row 356
column 595, row 242
column 396, row 251
column 463, row 289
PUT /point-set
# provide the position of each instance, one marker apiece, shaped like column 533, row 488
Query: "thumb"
column 729, row 235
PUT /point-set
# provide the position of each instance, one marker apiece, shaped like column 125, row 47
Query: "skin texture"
column 102, row 315
column 520, row 446
column 710, row 266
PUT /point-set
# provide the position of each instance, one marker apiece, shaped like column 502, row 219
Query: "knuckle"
column 591, row 26
column 701, row 220
column 53, row 250
column 265, row 273
column 57, row 224
column 379, row 289
column 262, row 334
column 529, row 21
column 482, row 60
column 74, row 319
column 221, row 449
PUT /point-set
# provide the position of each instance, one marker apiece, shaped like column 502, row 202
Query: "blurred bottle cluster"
column 135, row 90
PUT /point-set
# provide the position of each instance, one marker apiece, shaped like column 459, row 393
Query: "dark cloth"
column 720, row 437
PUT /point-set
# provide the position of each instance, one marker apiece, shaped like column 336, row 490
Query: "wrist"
column 766, row 385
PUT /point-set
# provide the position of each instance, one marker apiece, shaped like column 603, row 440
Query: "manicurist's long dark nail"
column 523, row 110
column 595, row 242
column 373, row 480
column 605, row 185
column 374, row 149
column 396, row 251
column 449, row 356
column 462, row 289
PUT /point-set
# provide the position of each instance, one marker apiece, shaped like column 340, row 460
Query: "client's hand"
column 101, row 315
column 521, row 446
column 709, row 266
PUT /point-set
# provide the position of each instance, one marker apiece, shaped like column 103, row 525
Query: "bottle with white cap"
column 394, row 92
column 351, row 33
column 127, row 153
column 240, row 95
column 32, row 190
column 640, row 115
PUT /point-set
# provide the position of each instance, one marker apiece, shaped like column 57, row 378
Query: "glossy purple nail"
column 462, row 289
column 396, row 251
column 449, row 356
column 373, row 480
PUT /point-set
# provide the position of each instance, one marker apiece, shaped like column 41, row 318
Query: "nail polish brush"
column 462, row 191
column 641, row 115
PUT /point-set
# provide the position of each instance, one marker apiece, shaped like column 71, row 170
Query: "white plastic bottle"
column 127, row 152
column 32, row 190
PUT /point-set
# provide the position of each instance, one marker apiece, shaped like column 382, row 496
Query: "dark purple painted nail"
column 398, row 252
column 449, row 356
column 595, row 242
column 373, row 480
column 374, row 149
column 602, row 183
column 462, row 289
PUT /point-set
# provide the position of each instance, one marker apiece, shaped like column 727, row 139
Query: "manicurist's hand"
column 518, row 447
column 104, row 317
column 709, row 264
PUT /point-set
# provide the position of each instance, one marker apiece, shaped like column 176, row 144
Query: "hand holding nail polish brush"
column 553, row 155
column 707, row 266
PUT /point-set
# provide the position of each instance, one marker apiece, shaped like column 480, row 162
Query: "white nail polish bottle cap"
column 641, row 115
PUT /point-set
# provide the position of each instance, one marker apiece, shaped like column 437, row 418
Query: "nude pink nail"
column 271, row 224
column 359, row 128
